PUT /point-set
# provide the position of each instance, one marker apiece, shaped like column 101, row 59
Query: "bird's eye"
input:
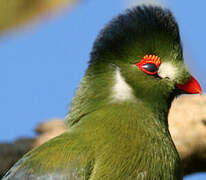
column 150, row 68
column 149, row 64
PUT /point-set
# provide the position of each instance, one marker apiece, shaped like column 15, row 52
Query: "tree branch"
column 187, row 124
column 15, row 13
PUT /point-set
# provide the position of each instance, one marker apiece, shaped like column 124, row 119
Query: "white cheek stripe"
column 167, row 70
column 121, row 91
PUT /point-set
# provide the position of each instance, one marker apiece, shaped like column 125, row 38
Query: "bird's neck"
column 135, row 140
column 99, row 88
column 135, row 127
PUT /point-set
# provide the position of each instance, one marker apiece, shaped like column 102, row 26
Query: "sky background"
column 41, row 68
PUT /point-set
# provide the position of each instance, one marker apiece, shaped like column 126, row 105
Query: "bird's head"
column 136, row 58
column 144, row 47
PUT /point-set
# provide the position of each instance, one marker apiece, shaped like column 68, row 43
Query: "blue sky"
column 41, row 68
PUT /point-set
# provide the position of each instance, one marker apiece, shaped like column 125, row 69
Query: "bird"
column 118, row 118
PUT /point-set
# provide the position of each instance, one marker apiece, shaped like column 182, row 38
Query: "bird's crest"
column 154, row 23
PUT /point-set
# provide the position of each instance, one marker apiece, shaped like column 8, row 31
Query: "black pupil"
column 150, row 67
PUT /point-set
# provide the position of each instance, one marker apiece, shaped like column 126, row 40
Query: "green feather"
column 112, row 138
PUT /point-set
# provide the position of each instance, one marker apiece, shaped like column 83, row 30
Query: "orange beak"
column 190, row 87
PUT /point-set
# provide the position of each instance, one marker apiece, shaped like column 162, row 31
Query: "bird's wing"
column 61, row 158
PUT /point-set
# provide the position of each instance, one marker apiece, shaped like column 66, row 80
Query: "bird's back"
column 105, row 145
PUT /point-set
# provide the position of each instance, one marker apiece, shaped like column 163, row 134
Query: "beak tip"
column 191, row 87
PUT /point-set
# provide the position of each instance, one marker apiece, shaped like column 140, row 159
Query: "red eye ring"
column 149, row 60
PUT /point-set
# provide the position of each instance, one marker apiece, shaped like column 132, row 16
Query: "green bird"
column 117, row 124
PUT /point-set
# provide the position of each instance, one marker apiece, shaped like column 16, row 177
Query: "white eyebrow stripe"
column 167, row 70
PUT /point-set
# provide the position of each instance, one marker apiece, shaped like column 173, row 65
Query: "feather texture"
column 117, row 122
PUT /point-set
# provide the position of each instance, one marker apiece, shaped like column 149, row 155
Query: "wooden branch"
column 10, row 153
column 187, row 124
column 15, row 13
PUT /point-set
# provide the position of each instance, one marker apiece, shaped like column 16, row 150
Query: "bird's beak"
column 191, row 87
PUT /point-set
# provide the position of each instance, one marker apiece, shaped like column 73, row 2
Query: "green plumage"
column 113, row 137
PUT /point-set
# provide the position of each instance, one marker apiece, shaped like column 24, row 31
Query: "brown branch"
column 187, row 120
column 10, row 153
column 15, row 13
